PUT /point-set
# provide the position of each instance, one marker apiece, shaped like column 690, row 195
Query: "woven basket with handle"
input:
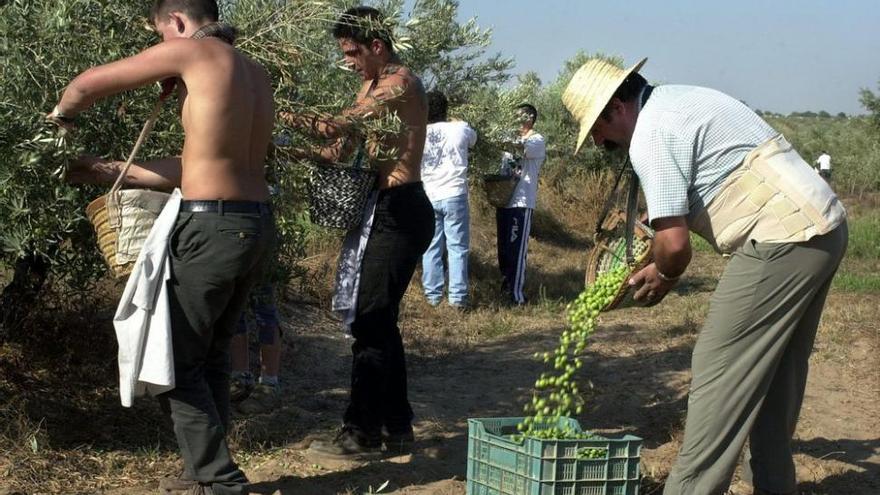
column 126, row 214
column 621, row 240
column 499, row 189
column 609, row 253
column 337, row 194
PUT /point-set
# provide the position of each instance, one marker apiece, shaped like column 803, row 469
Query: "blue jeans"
column 451, row 233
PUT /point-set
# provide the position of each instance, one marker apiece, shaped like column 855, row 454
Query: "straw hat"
column 591, row 89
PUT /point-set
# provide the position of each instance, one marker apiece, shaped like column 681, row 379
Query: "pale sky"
column 777, row 55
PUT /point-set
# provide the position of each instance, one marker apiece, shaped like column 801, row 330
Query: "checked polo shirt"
column 687, row 140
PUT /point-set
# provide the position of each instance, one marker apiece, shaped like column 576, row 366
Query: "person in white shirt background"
column 444, row 173
column 514, row 221
column 824, row 163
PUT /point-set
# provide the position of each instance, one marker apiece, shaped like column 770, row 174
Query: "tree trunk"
column 18, row 297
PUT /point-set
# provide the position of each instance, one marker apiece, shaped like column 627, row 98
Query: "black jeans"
column 215, row 260
column 402, row 230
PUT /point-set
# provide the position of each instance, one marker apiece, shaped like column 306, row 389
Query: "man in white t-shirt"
column 824, row 163
column 444, row 173
column 514, row 221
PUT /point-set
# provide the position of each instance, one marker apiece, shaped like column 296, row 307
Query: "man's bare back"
column 227, row 111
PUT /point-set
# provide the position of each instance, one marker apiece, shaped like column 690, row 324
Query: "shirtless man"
column 379, row 410
column 224, row 230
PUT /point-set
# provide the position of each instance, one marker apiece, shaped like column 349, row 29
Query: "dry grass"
column 62, row 425
column 62, row 430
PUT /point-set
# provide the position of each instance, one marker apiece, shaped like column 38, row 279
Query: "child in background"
column 251, row 396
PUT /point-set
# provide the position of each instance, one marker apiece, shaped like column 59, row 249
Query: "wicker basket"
column 127, row 218
column 337, row 194
column 499, row 189
column 609, row 253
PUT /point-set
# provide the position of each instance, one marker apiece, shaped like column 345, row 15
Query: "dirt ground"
column 478, row 364
column 637, row 375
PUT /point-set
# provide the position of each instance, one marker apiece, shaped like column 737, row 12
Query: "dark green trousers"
column 750, row 364
column 215, row 260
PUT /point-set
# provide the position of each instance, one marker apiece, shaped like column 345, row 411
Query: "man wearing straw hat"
column 224, row 229
column 710, row 165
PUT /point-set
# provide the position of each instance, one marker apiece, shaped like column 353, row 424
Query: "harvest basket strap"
column 148, row 126
column 114, row 217
column 632, row 204
column 610, row 200
column 359, row 157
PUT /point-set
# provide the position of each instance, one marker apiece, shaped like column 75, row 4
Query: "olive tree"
column 45, row 43
column 871, row 102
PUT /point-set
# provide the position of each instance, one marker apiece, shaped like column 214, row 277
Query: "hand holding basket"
column 123, row 218
column 609, row 253
column 622, row 245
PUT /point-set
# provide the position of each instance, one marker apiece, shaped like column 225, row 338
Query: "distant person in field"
column 224, row 230
column 444, row 172
column 823, row 163
column 514, row 221
column 379, row 412
column 709, row 165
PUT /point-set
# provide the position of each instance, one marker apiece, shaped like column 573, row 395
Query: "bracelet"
column 667, row 278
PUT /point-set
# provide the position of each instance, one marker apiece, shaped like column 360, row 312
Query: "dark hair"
column 363, row 25
column 529, row 110
column 197, row 10
column 438, row 106
column 629, row 89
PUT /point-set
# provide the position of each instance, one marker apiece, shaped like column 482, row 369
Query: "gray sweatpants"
column 750, row 364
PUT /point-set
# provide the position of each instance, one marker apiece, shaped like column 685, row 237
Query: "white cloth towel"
column 143, row 320
column 348, row 268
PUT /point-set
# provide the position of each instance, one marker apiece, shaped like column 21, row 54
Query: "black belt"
column 222, row 206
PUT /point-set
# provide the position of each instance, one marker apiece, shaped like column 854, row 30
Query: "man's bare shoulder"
column 399, row 75
column 194, row 54
column 183, row 46
column 178, row 51
column 397, row 81
column 257, row 67
column 214, row 52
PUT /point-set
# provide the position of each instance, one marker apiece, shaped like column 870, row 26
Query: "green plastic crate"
column 499, row 466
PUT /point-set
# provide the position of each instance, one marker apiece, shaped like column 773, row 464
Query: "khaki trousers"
column 750, row 364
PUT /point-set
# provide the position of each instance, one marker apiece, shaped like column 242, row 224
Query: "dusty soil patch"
column 478, row 364
column 637, row 374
